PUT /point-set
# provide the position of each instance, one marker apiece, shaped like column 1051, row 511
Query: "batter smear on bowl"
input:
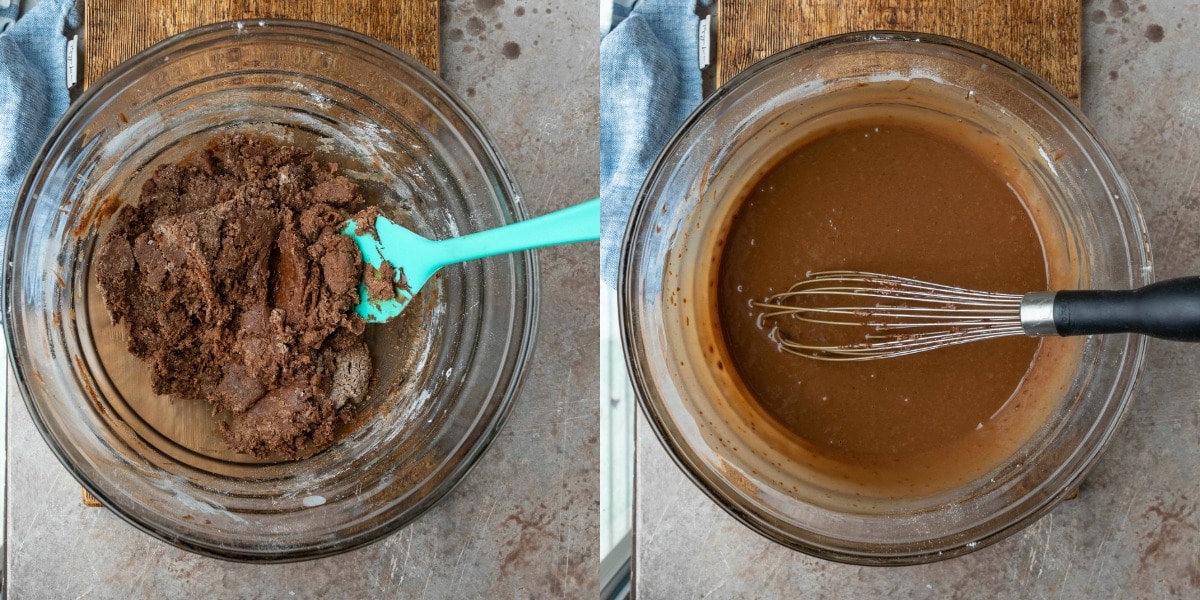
column 886, row 195
column 236, row 289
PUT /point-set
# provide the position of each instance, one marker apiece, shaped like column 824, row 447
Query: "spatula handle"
column 579, row 223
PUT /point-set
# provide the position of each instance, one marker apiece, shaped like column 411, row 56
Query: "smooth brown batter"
column 236, row 288
column 890, row 196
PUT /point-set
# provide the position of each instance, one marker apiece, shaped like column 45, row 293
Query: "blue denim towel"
column 33, row 90
column 649, row 83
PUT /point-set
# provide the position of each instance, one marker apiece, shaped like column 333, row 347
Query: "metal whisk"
column 900, row 316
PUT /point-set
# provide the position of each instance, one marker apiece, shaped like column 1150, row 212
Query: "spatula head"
column 387, row 244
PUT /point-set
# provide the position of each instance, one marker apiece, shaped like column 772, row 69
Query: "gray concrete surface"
column 1133, row 532
column 524, row 523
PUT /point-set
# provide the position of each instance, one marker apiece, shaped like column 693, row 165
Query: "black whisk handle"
column 1168, row 309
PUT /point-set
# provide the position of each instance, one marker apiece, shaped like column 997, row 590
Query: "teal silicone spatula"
column 416, row 258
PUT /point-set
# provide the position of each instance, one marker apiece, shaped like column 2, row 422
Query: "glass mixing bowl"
column 447, row 371
column 675, row 351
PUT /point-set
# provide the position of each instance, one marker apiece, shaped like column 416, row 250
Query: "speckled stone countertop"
column 1133, row 531
column 525, row 522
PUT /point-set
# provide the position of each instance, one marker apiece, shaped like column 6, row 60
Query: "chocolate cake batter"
column 236, row 288
column 897, row 197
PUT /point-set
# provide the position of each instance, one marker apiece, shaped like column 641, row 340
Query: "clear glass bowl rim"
column 150, row 58
column 631, row 326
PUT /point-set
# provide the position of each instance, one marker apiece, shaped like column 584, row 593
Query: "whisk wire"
column 903, row 316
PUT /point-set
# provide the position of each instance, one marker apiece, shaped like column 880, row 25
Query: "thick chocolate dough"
column 236, row 287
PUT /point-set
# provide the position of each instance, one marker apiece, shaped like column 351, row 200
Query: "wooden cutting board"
column 114, row 30
column 1043, row 35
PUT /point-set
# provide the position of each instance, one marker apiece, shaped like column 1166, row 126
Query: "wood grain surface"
column 1043, row 35
column 115, row 30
